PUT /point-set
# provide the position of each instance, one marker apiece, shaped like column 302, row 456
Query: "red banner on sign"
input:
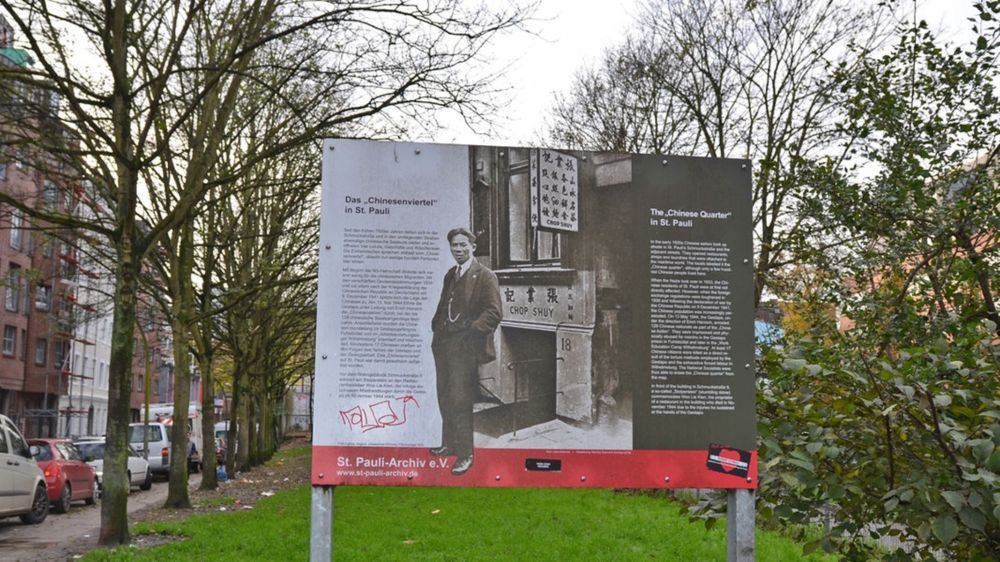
column 523, row 468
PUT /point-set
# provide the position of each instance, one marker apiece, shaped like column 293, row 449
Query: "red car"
column 67, row 476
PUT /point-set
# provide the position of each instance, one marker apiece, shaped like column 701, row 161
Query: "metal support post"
column 321, row 524
column 740, row 526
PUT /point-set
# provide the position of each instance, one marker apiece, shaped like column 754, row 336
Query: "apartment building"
column 38, row 262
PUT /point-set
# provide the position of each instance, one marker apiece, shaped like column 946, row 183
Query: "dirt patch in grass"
column 154, row 539
column 241, row 492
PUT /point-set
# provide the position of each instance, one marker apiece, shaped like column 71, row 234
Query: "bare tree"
column 129, row 78
column 266, row 281
column 621, row 106
column 722, row 78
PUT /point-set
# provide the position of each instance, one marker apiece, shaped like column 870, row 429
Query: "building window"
column 66, row 269
column 519, row 215
column 43, row 297
column 41, row 351
column 13, row 287
column 16, row 228
column 59, row 354
column 9, row 340
column 525, row 243
column 49, row 195
column 6, row 38
column 3, row 162
column 47, row 247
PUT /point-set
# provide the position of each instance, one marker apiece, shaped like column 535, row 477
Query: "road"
column 60, row 534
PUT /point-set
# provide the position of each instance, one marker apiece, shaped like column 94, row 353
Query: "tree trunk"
column 206, row 355
column 114, row 504
column 208, row 476
column 267, row 430
column 245, row 428
column 182, row 309
column 253, row 428
column 234, row 420
column 114, row 498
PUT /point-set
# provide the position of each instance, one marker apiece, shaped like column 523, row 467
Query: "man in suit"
column 467, row 314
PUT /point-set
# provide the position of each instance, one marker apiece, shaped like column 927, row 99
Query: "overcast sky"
column 572, row 33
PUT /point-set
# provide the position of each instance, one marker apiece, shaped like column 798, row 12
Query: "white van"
column 158, row 439
column 162, row 416
column 222, row 429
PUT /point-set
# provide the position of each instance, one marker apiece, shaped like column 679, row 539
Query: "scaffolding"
column 77, row 373
column 52, row 418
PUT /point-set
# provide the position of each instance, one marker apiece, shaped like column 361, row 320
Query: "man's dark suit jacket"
column 479, row 306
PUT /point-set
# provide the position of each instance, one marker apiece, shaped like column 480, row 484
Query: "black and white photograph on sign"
column 528, row 298
column 557, row 381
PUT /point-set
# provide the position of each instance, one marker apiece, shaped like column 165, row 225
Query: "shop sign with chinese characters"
column 554, row 194
column 544, row 304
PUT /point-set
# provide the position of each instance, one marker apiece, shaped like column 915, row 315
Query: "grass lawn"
column 455, row 524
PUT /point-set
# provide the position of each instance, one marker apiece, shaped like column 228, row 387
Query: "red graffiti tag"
column 378, row 415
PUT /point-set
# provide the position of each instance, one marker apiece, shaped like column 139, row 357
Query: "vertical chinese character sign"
column 558, row 198
column 533, row 158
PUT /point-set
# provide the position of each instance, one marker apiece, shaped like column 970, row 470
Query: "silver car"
column 139, row 473
column 20, row 475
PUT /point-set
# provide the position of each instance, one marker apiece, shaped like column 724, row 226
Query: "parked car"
column 158, row 438
column 20, row 474
column 139, row 473
column 67, row 477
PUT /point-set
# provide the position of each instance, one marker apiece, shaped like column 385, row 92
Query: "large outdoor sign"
column 495, row 316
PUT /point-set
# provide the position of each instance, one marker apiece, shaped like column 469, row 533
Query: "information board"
column 467, row 337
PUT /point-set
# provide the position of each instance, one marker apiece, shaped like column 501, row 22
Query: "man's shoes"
column 462, row 465
column 441, row 451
